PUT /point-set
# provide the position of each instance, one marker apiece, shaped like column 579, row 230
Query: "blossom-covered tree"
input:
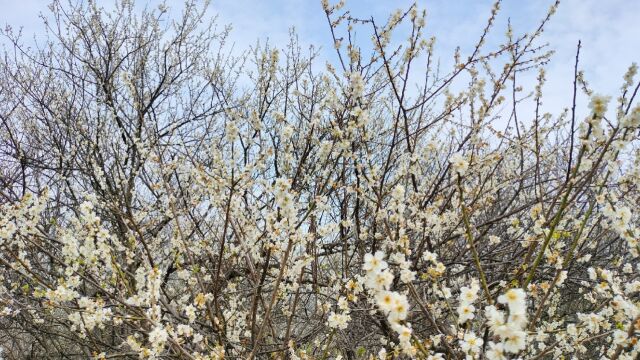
column 164, row 197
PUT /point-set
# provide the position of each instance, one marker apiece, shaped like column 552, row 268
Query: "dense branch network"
column 163, row 197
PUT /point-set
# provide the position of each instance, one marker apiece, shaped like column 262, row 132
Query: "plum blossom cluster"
column 510, row 330
column 378, row 279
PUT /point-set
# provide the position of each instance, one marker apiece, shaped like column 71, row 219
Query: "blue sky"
column 609, row 30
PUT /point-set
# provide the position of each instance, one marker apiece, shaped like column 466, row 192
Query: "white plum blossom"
column 338, row 320
column 465, row 313
column 374, row 263
column 471, row 343
column 515, row 299
column 459, row 163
